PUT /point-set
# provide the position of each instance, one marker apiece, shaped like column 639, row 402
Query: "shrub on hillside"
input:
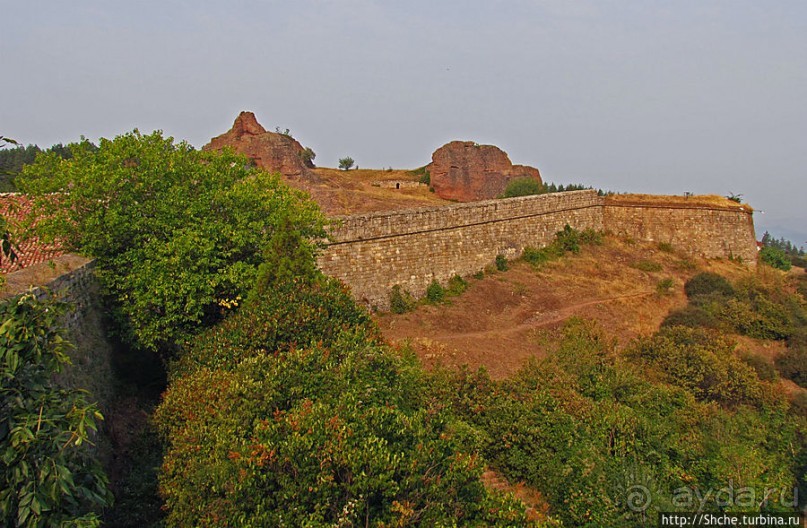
column 765, row 371
column 501, row 263
column 317, row 437
column 801, row 286
column 706, row 283
column 535, row 256
column 400, row 300
column 691, row 317
column 582, row 425
column 568, row 239
column 664, row 286
column 525, row 186
column 702, row 363
column 456, row 286
column 798, row 338
column 798, row 405
column 591, row 237
column 792, row 364
column 298, row 313
column 775, row 258
column 435, row 293
column 760, row 318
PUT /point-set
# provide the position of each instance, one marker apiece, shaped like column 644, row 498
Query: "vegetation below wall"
column 292, row 412
column 590, row 427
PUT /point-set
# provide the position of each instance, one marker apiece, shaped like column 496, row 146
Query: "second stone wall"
column 699, row 230
column 372, row 253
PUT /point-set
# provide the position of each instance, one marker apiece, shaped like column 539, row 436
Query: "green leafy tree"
column 308, row 155
column 346, row 163
column 524, row 186
column 178, row 233
column 775, row 258
column 48, row 476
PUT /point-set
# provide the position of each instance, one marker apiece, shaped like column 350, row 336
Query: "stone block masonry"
column 372, row 253
column 707, row 231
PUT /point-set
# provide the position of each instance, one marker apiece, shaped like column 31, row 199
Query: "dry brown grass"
column 341, row 192
column 711, row 200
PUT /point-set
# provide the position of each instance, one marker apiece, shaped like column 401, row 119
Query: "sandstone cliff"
column 466, row 171
column 269, row 150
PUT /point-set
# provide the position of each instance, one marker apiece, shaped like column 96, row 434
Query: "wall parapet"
column 370, row 226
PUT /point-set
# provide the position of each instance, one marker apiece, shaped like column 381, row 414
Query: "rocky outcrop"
column 466, row 171
column 269, row 150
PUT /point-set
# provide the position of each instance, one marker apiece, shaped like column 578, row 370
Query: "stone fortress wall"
column 372, row 253
column 708, row 231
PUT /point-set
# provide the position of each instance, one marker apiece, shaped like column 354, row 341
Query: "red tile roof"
column 14, row 207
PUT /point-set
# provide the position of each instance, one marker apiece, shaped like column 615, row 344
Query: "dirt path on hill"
column 541, row 320
column 506, row 318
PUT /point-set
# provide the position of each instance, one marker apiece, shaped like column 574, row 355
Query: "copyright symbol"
column 638, row 498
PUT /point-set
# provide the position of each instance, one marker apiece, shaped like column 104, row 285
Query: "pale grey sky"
column 636, row 96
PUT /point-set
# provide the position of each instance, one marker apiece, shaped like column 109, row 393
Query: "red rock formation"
column 465, row 171
column 269, row 150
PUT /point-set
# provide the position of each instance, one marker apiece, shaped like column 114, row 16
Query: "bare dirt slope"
column 508, row 317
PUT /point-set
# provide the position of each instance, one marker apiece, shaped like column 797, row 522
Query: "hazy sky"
column 640, row 96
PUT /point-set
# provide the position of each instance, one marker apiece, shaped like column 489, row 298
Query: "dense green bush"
column 760, row 318
column 584, row 427
column 775, row 258
column 703, row 364
column 318, row 437
column 535, row 256
column 48, row 475
column 295, row 314
column 524, row 186
column 501, row 263
column 706, row 283
column 435, row 293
